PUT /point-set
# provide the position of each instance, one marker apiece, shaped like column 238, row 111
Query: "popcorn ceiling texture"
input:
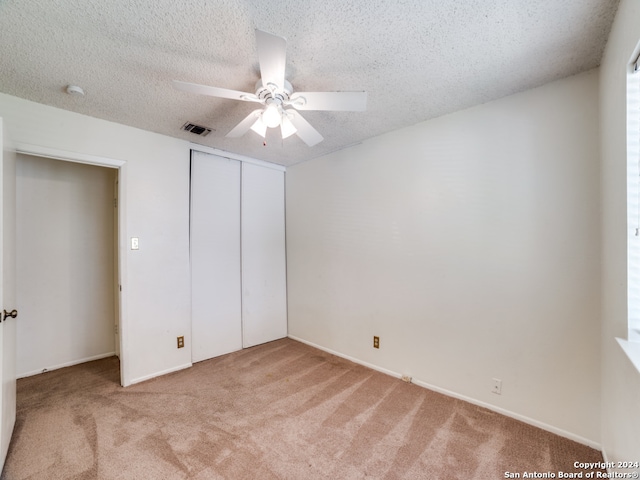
column 417, row 59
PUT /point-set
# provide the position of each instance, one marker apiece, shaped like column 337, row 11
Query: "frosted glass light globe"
column 271, row 116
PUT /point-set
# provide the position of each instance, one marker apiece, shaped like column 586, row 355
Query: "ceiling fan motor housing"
column 270, row 93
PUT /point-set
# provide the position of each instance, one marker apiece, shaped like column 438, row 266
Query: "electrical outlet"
column 180, row 342
column 135, row 243
column 376, row 342
column 497, row 386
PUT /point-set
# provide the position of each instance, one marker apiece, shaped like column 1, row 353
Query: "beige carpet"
column 282, row 410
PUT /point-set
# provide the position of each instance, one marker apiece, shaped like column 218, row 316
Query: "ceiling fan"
column 280, row 102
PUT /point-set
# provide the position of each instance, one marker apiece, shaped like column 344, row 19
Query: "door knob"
column 12, row 314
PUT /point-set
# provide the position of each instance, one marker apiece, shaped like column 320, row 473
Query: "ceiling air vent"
column 197, row 129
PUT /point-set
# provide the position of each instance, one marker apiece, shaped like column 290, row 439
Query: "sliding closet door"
column 215, row 256
column 264, row 295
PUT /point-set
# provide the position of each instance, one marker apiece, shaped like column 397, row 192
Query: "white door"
column 216, row 324
column 264, row 276
column 8, row 307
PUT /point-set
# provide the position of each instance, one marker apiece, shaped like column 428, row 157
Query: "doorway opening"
column 69, row 261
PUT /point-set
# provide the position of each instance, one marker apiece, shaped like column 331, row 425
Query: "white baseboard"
column 502, row 411
column 158, row 374
column 66, row 364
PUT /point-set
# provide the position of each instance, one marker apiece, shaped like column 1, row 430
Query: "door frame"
column 121, row 295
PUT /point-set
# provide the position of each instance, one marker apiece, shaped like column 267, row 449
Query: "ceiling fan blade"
column 244, row 126
column 336, row 101
column 215, row 91
column 272, row 55
column 305, row 131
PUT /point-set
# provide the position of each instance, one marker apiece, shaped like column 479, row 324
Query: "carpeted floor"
column 282, row 410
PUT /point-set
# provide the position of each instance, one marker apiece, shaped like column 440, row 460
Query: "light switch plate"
column 134, row 243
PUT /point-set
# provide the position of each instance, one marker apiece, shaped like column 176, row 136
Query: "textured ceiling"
column 417, row 59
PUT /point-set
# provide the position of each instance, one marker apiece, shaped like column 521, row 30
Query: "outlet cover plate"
column 497, row 386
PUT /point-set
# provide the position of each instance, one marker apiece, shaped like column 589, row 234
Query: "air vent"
column 197, row 129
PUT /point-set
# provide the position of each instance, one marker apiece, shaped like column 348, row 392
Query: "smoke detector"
column 75, row 90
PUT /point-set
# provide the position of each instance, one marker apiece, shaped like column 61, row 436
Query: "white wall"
column 620, row 380
column 156, row 204
column 470, row 244
column 65, row 263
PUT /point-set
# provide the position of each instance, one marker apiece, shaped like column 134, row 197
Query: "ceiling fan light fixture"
column 271, row 115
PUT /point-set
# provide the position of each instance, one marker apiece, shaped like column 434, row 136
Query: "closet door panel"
column 215, row 256
column 264, row 295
